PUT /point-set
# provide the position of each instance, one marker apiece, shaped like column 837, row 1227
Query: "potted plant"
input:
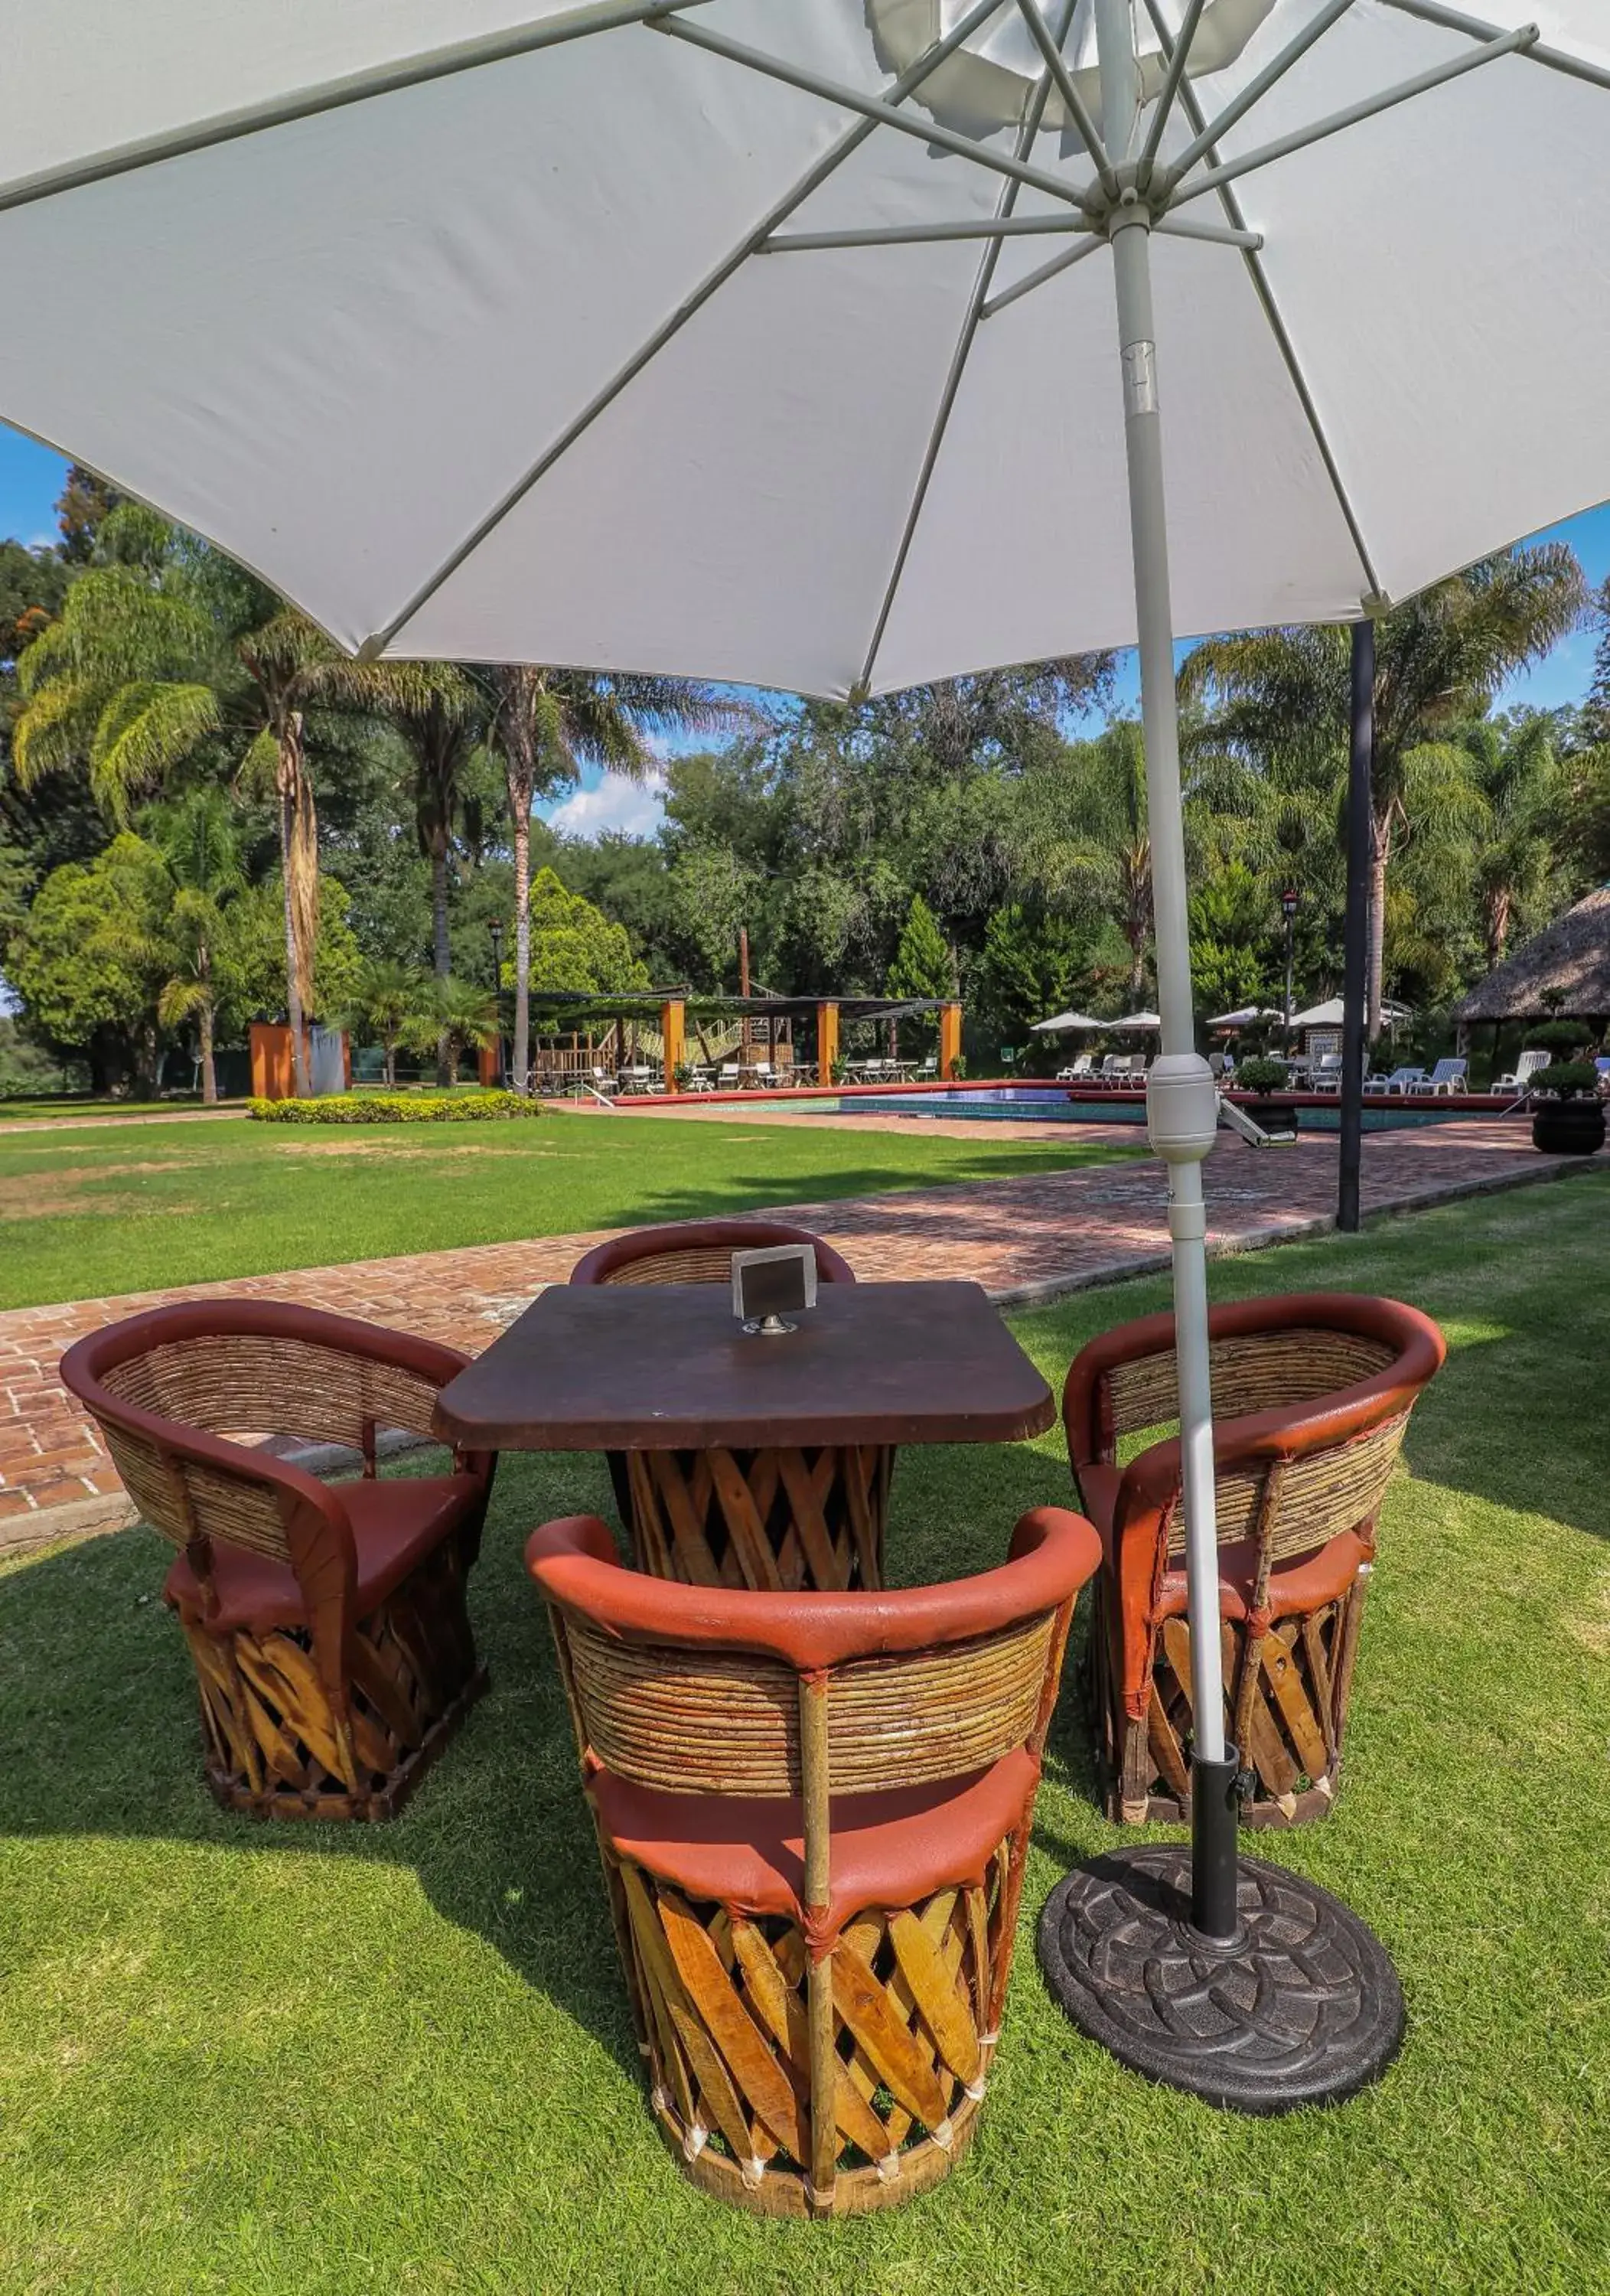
column 1567, row 1114
column 1264, row 1078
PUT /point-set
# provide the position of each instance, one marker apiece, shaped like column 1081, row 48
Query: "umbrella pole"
column 1242, row 1982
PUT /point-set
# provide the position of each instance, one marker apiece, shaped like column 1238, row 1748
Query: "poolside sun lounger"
column 1447, row 1077
column 1525, row 1069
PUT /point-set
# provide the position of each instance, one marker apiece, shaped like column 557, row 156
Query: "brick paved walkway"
column 1022, row 1239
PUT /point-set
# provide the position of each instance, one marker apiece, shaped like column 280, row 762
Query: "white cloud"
column 612, row 803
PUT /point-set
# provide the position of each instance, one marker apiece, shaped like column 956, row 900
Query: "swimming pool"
column 1048, row 1104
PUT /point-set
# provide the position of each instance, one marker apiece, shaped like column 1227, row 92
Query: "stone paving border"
column 1027, row 1240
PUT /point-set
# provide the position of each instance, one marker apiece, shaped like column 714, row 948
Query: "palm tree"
column 1086, row 829
column 1440, row 660
column 197, row 842
column 167, row 650
column 386, row 1007
column 1520, row 778
column 455, row 1013
column 442, row 728
column 549, row 724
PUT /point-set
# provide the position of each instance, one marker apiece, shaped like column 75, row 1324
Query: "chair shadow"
column 98, row 1706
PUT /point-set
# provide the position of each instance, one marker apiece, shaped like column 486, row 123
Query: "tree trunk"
column 1380, row 853
column 1498, row 924
column 520, row 809
column 388, row 1066
column 438, row 928
column 300, row 861
column 147, row 1061
column 209, row 1075
column 1137, row 972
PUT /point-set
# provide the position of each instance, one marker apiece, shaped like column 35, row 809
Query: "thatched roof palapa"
column 1571, row 957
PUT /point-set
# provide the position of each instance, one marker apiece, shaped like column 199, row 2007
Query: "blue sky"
column 30, row 480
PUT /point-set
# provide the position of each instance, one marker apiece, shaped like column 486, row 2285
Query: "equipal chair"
column 814, row 1811
column 1311, row 1394
column 327, row 1623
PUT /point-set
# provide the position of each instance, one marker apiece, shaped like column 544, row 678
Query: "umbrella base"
column 1300, row 2006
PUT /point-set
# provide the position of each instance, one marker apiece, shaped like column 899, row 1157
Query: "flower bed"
column 393, row 1108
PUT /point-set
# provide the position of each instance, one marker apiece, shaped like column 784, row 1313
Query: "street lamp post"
column 497, row 987
column 1288, row 910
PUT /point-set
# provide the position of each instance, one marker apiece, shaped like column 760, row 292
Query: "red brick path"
column 1021, row 1239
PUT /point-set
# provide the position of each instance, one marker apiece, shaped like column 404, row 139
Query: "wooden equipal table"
column 751, row 1460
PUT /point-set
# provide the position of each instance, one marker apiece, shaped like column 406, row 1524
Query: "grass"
column 241, row 2059
column 60, row 1111
column 90, row 1214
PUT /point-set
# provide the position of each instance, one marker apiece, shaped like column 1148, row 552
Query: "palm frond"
column 145, row 730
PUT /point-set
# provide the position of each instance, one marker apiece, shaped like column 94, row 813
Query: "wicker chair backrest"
column 697, row 1252
column 1257, row 1371
column 694, row 1720
column 250, row 1383
column 1310, row 1500
column 712, row 1264
column 185, row 1499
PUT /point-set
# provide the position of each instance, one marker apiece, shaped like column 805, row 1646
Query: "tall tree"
column 442, row 727
column 1440, row 661
column 166, row 651
column 1518, row 773
column 1086, row 832
column 197, row 841
column 547, row 725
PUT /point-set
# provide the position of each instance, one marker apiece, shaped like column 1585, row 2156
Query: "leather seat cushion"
column 395, row 1522
column 889, row 1849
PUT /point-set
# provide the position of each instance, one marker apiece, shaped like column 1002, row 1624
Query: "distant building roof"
column 1568, row 963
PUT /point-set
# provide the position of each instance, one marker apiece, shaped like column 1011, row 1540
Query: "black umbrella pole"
column 1360, row 762
column 1216, row 1864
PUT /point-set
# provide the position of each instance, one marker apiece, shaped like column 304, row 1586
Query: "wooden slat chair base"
column 327, row 1622
column 814, row 1815
column 1313, row 1394
column 275, row 1745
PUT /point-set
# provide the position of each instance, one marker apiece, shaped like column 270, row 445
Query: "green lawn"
column 239, row 2059
column 89, row 1214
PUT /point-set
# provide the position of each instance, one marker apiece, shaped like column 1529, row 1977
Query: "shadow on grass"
column 98, row 1715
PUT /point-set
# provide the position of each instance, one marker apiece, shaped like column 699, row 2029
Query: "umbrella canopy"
column 1137, row 1020
column 1062, row 1023
column 1332, row 1012
column 1246, row 1016
column 474, row 346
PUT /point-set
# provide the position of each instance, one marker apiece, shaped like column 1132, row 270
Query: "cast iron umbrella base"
column 1300, row 2007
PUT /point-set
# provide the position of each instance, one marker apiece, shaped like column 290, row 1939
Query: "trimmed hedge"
column 393, row 1108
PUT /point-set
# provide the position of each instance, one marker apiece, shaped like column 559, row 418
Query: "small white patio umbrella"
column 1137, row 1020
column 718, row 337
column 1066, row 1023
column 1246, row 1016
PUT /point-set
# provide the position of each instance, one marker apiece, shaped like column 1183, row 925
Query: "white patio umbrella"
column 1066, row 1023
column 763, row 343
column 1244, row 1016
column 1137, row 1020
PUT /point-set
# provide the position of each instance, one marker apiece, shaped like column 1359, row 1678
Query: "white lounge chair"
column 1447, row 1077
column 1326, row 1074
column 1080, row 1067
column 1401, row 1080
column 1526, row 1067
column 930, row 1069
column 728, row 1076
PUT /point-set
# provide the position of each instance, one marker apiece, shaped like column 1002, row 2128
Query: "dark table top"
column 665, row 1366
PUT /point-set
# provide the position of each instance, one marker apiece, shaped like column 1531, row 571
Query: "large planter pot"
column 1568, row 1127
column 1272, row 1115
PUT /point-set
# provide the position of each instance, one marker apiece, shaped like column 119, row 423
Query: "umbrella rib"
column 333, row 96
column 1057, row 264
column 959, row 359
column 1259, row 86
column 879, row 109
column 849, row 141
column 908, row 234
column 1454, row 20
column 1259, row 275
column 1367, row 107
column 1170, row 88
column 1078, row 111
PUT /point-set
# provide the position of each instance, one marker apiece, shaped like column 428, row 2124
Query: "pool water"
column 1048, row 1104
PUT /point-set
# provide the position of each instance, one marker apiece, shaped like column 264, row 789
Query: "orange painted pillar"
column 950, row 1039
column 486, row 1063
column 826, row 1042
column 672, row 1030
column 273, row 1075
column 347, row 1060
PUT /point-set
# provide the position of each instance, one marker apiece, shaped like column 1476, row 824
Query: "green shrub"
column 393, row 1108
column 1560, row 1036
column 1566, row 1079
column 1259, row 1074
